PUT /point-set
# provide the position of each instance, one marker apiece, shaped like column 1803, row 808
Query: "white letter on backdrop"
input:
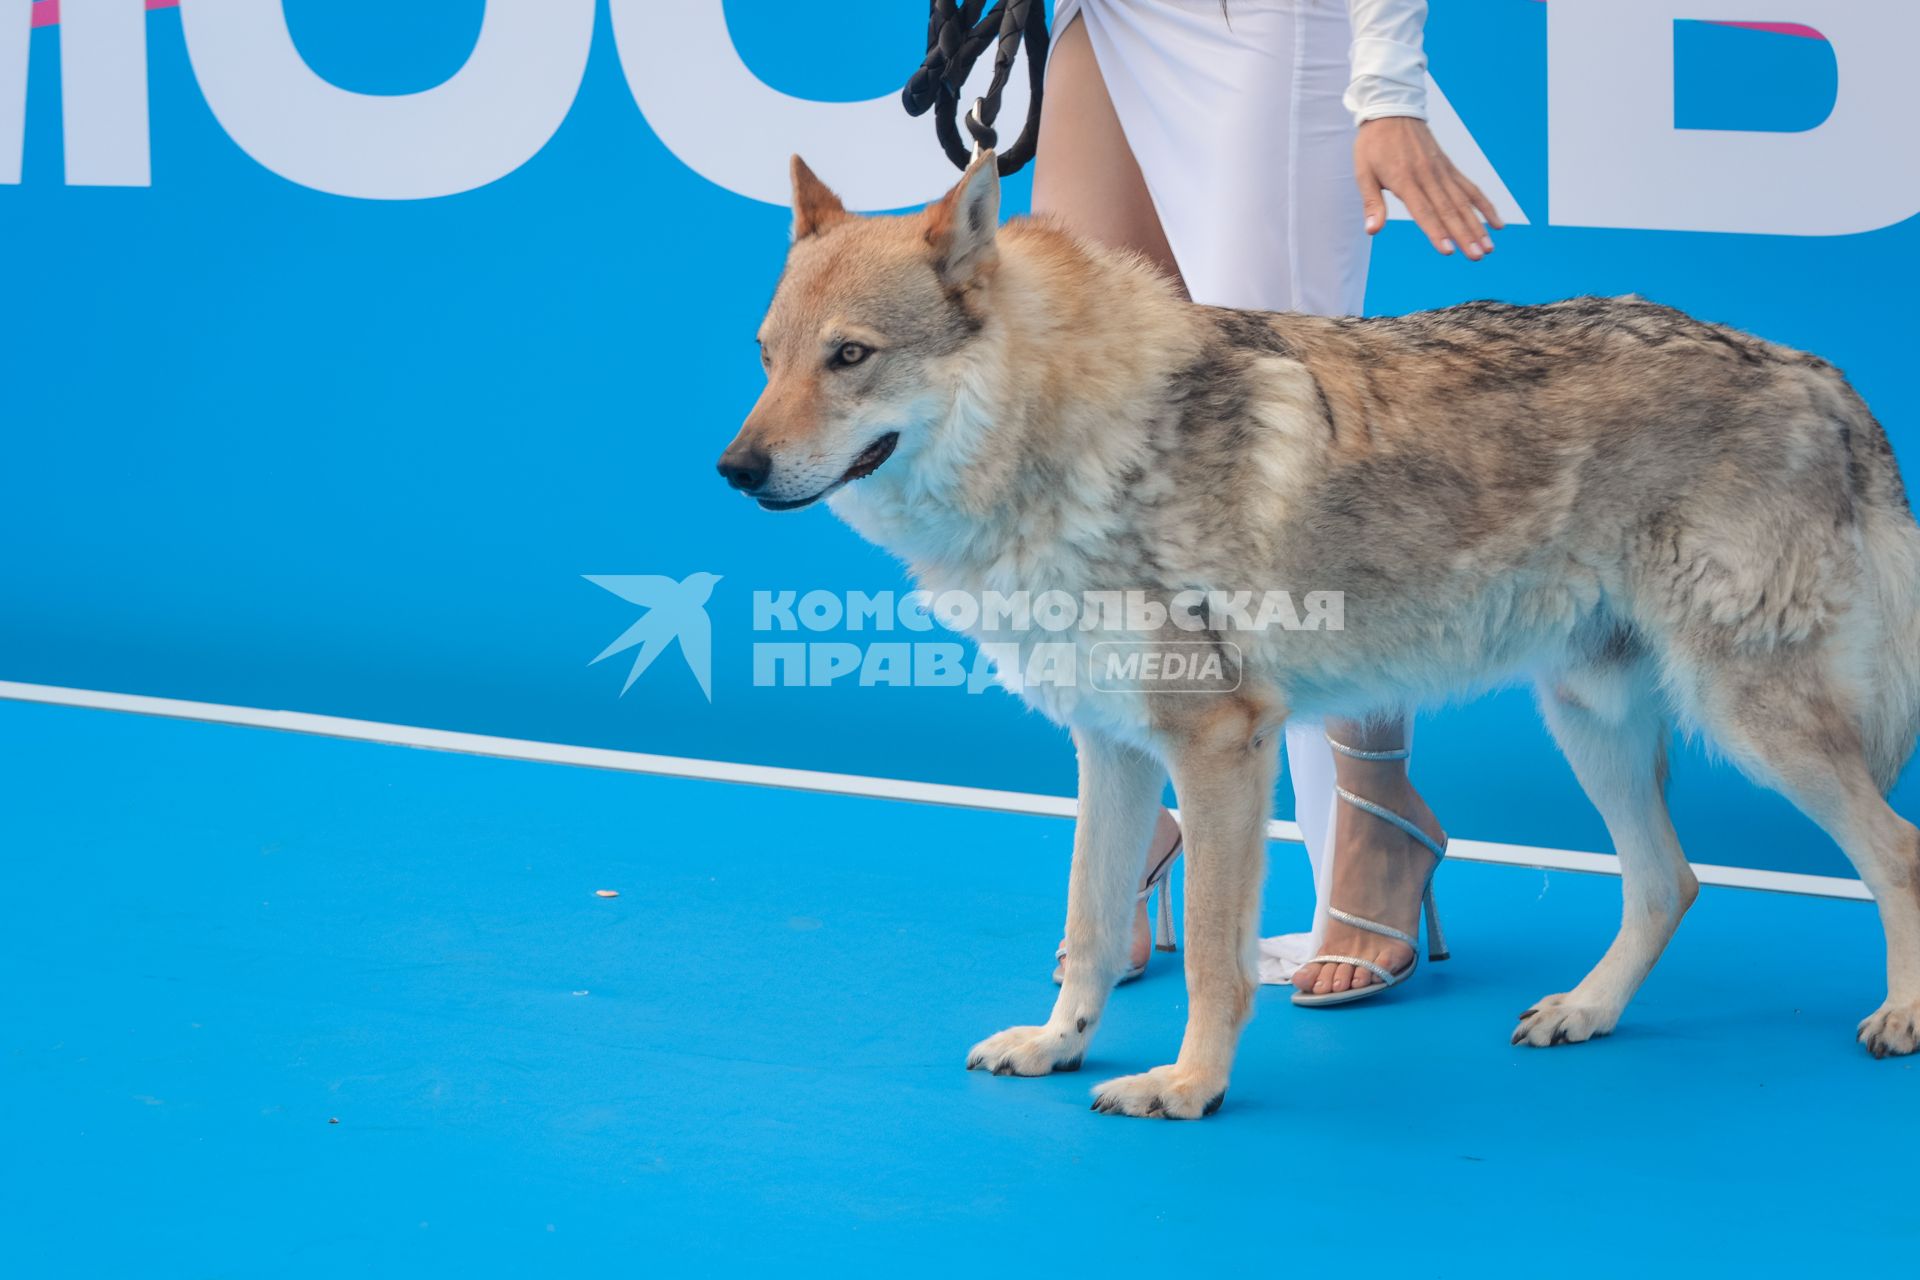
column 16, row 32
column 732, row 128
column 480, row 125
column 1615, row 159
column 103, row 93
column 1451, row 132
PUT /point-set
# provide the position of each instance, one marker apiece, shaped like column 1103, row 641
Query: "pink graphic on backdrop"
column 47, row 12
column 1778, row 28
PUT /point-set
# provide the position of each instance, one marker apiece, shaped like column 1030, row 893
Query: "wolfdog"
column 1658, row 520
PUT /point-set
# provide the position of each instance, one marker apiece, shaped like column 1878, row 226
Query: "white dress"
column 1242, row 118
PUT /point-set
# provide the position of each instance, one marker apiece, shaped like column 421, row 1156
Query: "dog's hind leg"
column 1119, row 799
column 1224, row 759
column 1610, row 722
column 1784, row 724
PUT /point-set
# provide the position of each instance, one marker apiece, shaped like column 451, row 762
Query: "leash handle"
column 957, row 34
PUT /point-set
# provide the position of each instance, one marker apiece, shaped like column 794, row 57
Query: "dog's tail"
column 1892, row 542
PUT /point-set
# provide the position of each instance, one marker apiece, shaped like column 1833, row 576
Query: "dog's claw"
column 1892, row 1030
column 1556, row 1020
column 1165, row 1093
column 1027, row 1051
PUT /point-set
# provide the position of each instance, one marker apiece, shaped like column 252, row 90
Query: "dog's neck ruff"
column 935, row 505
column 1039, row 425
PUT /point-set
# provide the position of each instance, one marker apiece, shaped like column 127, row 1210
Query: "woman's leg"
column 1084, row 173
column 1361, row 864
column 1374, row 870
column 1085, row 176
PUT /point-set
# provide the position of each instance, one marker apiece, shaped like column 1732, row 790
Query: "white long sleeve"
column 1389, row 64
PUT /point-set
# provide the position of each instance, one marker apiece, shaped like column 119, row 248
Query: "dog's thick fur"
column 1658, row 520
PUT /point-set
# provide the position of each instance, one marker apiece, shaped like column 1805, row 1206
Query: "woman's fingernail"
column 1487, row 244
column 1446, row 246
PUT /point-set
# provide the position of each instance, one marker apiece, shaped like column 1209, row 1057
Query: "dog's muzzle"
column 746, row 468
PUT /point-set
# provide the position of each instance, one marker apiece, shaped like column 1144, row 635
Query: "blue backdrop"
column 279, row 448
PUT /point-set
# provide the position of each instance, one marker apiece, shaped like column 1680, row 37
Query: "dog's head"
column 857, row 341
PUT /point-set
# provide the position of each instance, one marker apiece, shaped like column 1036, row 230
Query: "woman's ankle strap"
column 1398, row 753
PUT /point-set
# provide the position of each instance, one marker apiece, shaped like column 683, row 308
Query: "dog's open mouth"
column 871, row 457
column 865, row 465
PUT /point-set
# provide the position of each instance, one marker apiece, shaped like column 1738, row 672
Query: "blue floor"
column 218, row 942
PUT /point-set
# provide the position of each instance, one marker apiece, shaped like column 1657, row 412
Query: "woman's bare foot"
column 1166, row 834
column 1379, row 871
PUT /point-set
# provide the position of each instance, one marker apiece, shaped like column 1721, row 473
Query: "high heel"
column 1436, row 940
column 1164, row 940
column 1160, row 883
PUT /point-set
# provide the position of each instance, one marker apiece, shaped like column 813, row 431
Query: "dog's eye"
column 850, row 353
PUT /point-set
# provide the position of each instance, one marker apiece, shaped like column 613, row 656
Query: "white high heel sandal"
column 1436, row 940
column 1160, row 882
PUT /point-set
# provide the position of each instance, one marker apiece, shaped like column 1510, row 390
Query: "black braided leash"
column 956, row 37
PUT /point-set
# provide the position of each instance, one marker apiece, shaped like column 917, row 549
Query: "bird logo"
column 674, row 611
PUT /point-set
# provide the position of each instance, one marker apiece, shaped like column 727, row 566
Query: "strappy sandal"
column 1163, row 939
column 1436, row 940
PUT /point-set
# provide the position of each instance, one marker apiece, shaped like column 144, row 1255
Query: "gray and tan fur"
column 1659, row 521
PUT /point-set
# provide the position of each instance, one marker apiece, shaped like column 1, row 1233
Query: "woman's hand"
column 1398, row 153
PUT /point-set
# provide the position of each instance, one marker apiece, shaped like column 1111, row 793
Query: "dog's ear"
column 815, row 208
column 961, row 225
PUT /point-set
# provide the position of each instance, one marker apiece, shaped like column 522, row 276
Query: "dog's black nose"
column 745, row 468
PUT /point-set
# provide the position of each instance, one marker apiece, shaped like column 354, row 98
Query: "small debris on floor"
column 333, row 1119
column 606, row 893
column 580, row 993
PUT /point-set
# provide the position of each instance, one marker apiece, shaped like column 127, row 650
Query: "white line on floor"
column 845, row 784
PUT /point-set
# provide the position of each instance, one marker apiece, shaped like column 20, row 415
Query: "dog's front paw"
column 1892, row 1029
column 1166, row 1093
column 1027, row 1051
column 1557, row 1020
